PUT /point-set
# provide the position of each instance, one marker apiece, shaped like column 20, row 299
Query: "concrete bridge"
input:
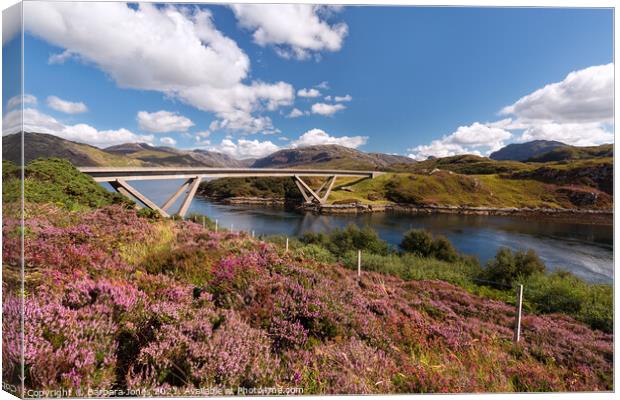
column 117, row 177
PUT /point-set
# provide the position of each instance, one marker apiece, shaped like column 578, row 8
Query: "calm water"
column 584, row 249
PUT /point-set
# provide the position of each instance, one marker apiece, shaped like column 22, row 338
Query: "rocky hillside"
column 329, row 156
column 42, row 145
column 525, row 151
column 566, row 153
column 548, row 150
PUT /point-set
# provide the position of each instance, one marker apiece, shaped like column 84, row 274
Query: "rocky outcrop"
column 600, row 176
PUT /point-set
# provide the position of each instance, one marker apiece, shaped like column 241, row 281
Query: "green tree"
column 442, row 249
column 417, row 241
column 507, row 266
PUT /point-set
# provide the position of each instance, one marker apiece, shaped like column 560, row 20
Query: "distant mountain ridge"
column 329, row 156
column 169, row 156
column 42, row 145
column 525, row 151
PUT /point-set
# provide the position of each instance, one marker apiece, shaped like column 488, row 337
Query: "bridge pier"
column 129, row 191
column 311, row 195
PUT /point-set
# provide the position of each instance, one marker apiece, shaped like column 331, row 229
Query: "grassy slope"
column 475, row 182
column 575, row 153
column 108, row 159
column 455, row 190
column 56, row 181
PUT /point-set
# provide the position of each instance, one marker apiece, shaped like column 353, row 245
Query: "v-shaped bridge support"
column 192, row 184
column 310, row 195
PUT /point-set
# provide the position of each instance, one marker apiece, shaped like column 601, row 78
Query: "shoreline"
column 594, row 216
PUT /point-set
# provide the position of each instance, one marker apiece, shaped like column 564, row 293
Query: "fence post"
column 216, row 225
column 518, row 305
column 203, row 222
column 287, row 244
column 252, row 233
column 359, row 263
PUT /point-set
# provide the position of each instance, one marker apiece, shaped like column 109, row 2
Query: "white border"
column 472, row 3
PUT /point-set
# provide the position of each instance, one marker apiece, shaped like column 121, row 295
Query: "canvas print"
column 296, row 199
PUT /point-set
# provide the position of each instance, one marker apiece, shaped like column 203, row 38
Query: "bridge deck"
column 110, row 174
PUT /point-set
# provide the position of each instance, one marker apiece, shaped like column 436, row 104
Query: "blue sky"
column 412, row 81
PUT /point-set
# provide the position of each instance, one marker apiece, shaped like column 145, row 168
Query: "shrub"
column 148, row 213
column 442, row 249
column 417, row 241
column 423, row 244
column 317, row 253
column 340, row 241
column 507, row 266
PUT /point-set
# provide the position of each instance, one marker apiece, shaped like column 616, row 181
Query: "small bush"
column 148, row 214
column 442, row 249
column 417, row 241
column 507, row 266
column 423, row 244
column 340, row 241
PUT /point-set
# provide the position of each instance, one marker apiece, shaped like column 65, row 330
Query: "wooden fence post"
column 203, row 222
column 519, row 306
column 287, row 244
column 359, row 263
column 216, row 225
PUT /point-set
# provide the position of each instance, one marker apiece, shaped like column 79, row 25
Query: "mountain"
column 525, row 151
column 169, row 156
column 329, row 156
column 38, row 145
column 567, row 152
column 146, row 155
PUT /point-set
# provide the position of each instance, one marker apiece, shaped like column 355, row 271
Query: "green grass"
column 575, row 153
column 58, row 182
column 450, row 189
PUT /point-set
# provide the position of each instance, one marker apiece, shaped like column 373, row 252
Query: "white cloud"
column 479, row 139
column 577, row 111
column 60, row 58
column 171, row 49
column 583, row 96
column 323, row 85
column 340, row 99
column 308, row 93
column 295, row 30
column 163, row 121
column 585, row 134
column 16, row 101
column 203, row 134
column 295, row 112
column 35, row 121
column 67, row 107
column 168, row 141
column 243, row 148
column 326, row 109
column 11, row 23
column 318, row 136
